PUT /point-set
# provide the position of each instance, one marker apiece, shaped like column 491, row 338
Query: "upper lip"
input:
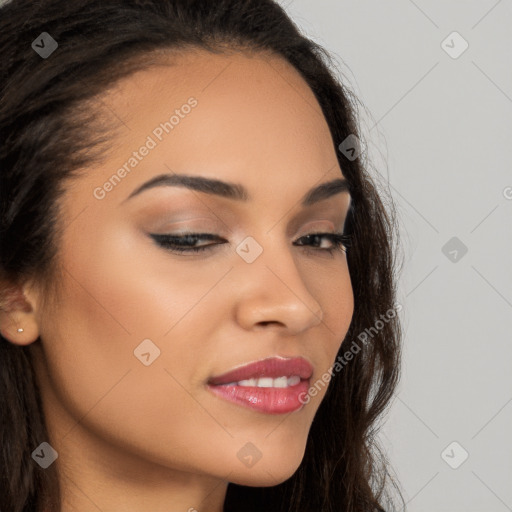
column 270, row 367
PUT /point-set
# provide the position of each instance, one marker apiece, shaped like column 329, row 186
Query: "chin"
column 267, row 474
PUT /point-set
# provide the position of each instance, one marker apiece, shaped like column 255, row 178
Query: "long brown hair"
column 47, row 132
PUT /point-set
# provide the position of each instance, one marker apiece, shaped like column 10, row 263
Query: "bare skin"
column 132, row 437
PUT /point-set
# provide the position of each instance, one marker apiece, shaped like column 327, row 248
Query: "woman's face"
column 128, row 349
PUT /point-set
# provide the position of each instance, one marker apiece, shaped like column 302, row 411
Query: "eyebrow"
column 236, row 191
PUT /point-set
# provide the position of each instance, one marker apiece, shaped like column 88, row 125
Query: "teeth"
column 293, row 381
column 281, row 382
column 269, row 382
column 265, row 382
column 248, row 382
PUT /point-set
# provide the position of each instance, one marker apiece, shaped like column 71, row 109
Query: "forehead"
column 254, row 120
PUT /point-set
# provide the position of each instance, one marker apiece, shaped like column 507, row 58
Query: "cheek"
column 115, row 296
column 108, row 308
column 135, row 284
column 118, row 295
column 333, row 290
column 341, row 309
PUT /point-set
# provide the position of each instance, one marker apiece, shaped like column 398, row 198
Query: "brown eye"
column 340, row 241
column 185, row 243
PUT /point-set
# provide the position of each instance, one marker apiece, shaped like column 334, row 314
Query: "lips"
column 274, row 385
column 272, row 367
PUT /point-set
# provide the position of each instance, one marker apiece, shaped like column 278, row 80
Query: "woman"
column 197, row 302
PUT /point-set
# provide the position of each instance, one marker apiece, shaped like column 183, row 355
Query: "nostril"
column 266, row 322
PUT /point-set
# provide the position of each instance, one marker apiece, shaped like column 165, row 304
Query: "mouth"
column 273, row 385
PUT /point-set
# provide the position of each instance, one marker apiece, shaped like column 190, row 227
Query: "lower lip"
column 267, row 400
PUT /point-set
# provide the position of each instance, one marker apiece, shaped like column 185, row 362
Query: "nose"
column 272, row 291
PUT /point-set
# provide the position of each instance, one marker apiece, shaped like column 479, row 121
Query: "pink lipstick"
column 273, row 385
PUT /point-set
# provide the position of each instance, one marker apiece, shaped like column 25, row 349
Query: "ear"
column 18, row 308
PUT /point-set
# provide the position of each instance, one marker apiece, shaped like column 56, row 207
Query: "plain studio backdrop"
column 436, row 78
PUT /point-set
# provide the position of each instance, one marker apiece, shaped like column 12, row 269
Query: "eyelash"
column 170, row 242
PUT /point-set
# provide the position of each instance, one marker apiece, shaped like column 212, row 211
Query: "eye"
column 187, row 243
column 339, row 241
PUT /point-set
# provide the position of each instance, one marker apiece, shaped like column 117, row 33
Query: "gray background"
column 439, row 133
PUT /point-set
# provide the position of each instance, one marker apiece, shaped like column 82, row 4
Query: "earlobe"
column 18, row 322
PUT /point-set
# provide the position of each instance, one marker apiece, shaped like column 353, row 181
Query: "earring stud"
column 20, row 329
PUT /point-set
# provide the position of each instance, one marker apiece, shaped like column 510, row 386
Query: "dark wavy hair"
column 50, row 129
